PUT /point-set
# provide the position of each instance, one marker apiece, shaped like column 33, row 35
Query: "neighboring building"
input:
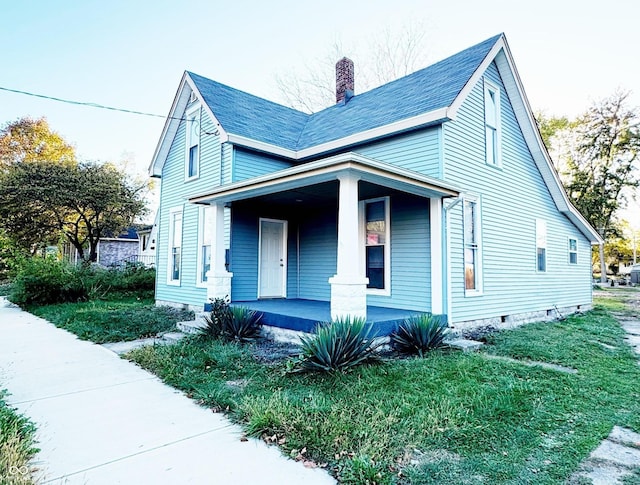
column 432, row 193
column 135, row 244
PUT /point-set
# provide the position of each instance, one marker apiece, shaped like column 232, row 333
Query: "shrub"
column 42, row 281
column 338, row 346
column 419, row 334
column 231, row 323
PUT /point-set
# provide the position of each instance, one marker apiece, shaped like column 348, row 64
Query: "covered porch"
column 303, row 315
column 327, row 259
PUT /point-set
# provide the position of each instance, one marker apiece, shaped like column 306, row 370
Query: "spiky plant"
column 245, row 324
column 219, row 319
column 338, row 345
column 419, row 334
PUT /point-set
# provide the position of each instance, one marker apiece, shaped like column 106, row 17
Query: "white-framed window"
column 192, row 156
column 541, row 245
column 472, row 246
column 204, row 243
column 492, row 124
column 174, row 264
column 376, row 229
column 573, row 251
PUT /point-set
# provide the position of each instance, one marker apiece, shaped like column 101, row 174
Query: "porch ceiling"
column 296, row 183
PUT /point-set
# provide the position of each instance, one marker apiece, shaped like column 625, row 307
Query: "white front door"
column 273, row 259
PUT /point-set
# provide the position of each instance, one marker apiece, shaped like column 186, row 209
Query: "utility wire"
column 91, row 105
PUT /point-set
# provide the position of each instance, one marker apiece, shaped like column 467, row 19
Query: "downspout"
column 452, row 203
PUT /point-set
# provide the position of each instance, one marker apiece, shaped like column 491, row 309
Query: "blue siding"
column 244, row 255
column 511, row 198
column 173, row 193
column 418, row 151
column 410, row 256
column 318, row 254
column 249, row 164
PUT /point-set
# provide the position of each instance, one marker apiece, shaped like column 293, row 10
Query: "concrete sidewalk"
column 104, row 420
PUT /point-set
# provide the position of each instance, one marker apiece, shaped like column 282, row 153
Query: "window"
column 377, row 229
column 193, row 144
column 541, row 245
column 204, row 243
column 472, row 271
column 175, row 246
column 573, row 251
column 492, row 123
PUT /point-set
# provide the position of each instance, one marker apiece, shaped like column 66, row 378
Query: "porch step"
column 191, row 327
column 463, row 344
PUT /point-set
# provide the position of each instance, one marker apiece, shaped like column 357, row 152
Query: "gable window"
column 492, row 123
column 541, row 245
column 204, row 243
column 192, row 159
column 573, row 251
column 175, row 246
column 472, row 247
column 375, row 213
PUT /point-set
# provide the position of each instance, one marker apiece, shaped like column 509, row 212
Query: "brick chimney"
column 344, row 80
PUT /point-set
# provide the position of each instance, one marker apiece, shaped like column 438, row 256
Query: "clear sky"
column 132, row 53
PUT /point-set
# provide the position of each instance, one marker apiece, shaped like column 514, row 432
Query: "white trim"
column 569, row 251
column 488, row 88
column 202, row 230
column 285, row 231
column 479, row 290
column 326, row 169
column 172, row 212
column 386, row 291
column 541, row 243
column 192, row 115
column 435, row 240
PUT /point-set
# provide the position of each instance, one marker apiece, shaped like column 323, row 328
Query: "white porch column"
column 218, row 278
column 435, row 236
column 349, row 285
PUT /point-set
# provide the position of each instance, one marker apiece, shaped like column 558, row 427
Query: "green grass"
column 17, row 446
column 447, row 418
column 114, row 320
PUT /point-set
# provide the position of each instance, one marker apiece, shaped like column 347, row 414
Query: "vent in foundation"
column 549, row 313
column 504, row 318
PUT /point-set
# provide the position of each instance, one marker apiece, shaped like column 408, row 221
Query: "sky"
column 131, row 54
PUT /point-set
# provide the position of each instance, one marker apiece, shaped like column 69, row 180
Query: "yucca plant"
column 245, row 324
column 231, row 323
column 419, row 334
column 219, row 319
column 338, row 345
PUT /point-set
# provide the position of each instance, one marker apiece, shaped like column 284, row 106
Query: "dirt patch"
column 269, row 351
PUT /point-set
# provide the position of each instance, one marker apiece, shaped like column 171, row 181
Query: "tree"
column 390, row 55
column 81, row 203
column 598, row 160
column 29, row 140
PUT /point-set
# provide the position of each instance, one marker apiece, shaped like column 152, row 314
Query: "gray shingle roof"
column 426, row 90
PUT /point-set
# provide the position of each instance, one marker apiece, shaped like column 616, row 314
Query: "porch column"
column 349, row 285
column 218, row 278
column 436, row 234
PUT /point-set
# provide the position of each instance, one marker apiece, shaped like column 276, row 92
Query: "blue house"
column 432, row 193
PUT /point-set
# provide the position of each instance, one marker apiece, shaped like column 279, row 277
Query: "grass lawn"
column 114, row 319
column 16, row 446
column 448, row 418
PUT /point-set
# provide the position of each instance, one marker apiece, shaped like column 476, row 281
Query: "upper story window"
column 175, row 246
column 192, row 158
column 472, row 247
column 573, row 251
column 377, row 248
column 492, row 124
column 541, row 245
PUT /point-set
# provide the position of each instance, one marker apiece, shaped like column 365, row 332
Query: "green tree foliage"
column 597, row 159
column 43, row 201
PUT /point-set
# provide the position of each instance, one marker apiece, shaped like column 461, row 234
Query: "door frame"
column 283, row 292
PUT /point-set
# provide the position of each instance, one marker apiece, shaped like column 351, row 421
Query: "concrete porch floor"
column 304, row 315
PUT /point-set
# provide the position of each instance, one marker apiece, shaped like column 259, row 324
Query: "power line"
column 82, row 103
